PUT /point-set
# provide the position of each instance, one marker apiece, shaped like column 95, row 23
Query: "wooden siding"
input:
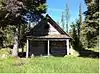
column 58, row 48
column 44, row 29
column 52, row 30
column 37, row 48
column 47, row 36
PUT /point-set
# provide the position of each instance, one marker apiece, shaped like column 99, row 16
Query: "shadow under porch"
column 41, row 47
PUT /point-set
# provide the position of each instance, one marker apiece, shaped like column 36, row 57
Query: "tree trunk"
column 16, row 41
column 22, row 50
column 1, row 42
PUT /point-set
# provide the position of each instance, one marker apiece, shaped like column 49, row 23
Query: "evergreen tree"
column 12, row 12
column 1, row 38
column 63, row 21
column 83, row 35
column 67, row 17
column 76, row 32
column 79, row 22
column 76, row 43
column 92, row 22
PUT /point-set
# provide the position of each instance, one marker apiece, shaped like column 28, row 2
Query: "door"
column 38, row 48
column 58, row 48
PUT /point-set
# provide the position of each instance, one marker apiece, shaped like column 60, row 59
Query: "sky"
column 56, row 7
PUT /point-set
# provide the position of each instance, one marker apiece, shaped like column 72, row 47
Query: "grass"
column 96, row 49
column 67, row 64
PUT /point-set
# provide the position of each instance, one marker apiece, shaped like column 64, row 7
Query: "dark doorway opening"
column 38, row 48
column 58, row 48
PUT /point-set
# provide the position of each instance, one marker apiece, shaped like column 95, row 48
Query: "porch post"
column 27, row 50
column 48, row 47
column 67, row 44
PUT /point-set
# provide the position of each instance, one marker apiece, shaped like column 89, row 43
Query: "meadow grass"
column 68, row 64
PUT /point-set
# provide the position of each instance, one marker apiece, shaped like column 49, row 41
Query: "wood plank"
column 48, row 47
column 67, row 44
column 52, row 39
column 27, row 51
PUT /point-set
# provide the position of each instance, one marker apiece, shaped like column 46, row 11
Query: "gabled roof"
column 55, row 25
column 48, row 19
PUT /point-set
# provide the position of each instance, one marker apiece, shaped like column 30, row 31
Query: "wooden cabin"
column 47, row 38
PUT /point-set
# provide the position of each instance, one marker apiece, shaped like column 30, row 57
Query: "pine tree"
column 67, row 17
column 12, row 12
column 83, row 35
column 92, row 22
column 62, row 21
column 79, row 22
column 76, row 32
column 76, row 43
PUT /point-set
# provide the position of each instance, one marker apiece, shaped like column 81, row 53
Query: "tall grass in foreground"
column 68, row 64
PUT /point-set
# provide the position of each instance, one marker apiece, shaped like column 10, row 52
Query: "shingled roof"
column 62, row 34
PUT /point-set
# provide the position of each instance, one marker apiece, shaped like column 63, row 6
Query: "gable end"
column 56, row 26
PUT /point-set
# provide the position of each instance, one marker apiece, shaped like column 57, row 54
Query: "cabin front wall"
column 37, row 48
column 56, row 48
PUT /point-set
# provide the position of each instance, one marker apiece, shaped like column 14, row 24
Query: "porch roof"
column 54, row 36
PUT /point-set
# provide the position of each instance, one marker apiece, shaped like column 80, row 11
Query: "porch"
column 47, row 46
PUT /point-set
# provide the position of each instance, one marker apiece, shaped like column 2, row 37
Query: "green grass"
column 96, row 49
column 68, row 64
